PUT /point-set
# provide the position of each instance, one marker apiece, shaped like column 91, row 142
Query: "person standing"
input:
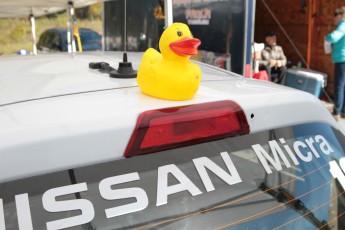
column 273, row 58
column 337, row 40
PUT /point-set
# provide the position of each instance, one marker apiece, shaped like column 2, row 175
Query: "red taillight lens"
column 168, row 128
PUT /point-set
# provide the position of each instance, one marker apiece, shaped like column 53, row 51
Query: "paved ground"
column 329, row 106
column 342, row 123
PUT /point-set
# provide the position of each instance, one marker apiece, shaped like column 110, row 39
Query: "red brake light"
column 168, row 128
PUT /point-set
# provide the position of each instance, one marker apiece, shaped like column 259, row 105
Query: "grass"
column 16, row 33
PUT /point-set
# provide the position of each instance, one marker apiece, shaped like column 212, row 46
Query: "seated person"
column 273, row 59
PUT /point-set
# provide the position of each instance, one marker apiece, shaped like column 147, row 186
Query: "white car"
column 82, row 150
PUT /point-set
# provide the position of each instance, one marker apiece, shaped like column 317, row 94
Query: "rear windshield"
column 289, row 178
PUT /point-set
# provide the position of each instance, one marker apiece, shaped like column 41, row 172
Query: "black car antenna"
column 125, row 69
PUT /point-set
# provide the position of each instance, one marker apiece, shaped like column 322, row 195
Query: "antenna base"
column 125, row 69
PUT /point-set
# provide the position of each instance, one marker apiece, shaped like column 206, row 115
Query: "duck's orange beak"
column 185, row 46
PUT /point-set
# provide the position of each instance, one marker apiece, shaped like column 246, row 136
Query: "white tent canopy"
column 14, row 12
column 35, row 8
column 23, row 8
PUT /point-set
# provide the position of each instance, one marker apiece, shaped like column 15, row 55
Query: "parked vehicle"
column 55, row 40
column 82, row 150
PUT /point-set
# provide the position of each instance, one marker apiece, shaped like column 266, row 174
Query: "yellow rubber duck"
column 170, row 75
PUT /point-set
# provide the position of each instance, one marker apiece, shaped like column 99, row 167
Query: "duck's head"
column 177, row 42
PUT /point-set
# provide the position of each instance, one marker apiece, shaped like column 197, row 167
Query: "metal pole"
column 70, row 29
column 245, row 38
column 33, row 32
column 252, row 28
column 125, row 31
column 103, row 29
column 168, row 12
column 248, row 36
column 69, row 41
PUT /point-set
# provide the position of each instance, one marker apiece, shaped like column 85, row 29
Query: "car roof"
column 56, row 113
column 59, row 74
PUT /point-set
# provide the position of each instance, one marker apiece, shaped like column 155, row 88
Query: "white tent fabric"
column 14, row 12
column 23, row 8
column 35, row 8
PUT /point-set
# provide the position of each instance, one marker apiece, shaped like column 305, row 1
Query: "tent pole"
column 33, row 32
column 168, row 12
column 70, row 28
column 311, row 9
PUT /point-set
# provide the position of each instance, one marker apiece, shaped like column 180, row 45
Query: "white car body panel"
column 56, row 113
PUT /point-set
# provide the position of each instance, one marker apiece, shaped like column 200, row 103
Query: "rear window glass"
column 290, row 178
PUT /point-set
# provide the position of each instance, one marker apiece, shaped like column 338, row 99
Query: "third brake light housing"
column 163, row 129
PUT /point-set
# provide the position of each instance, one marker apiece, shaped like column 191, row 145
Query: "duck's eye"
column 179, row 33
